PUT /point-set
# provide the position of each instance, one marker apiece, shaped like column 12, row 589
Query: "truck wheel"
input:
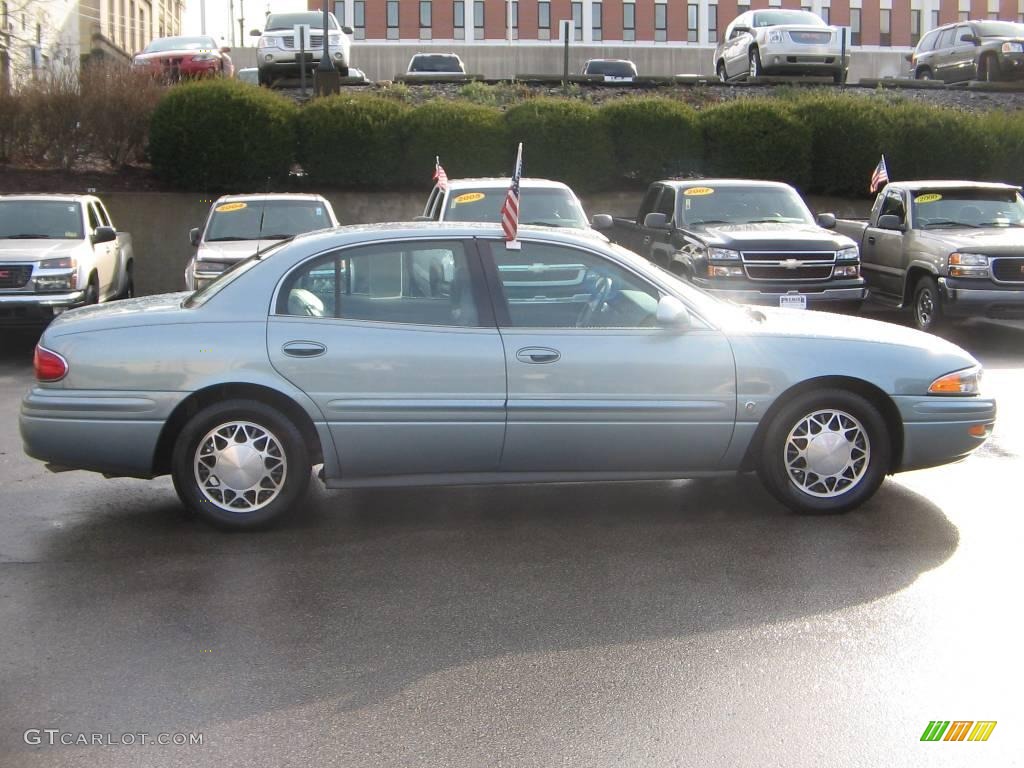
column 264, row 78
column 720, row 71
column 927, row 305
column 92, row 290
column 240, row 464
column 988, row 68
column 826, row 451
column 923, row 74
column 128, row 291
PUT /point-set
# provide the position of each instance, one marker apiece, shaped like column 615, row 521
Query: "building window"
column 359, row 19
column 577, row 21
column 628, row 22
column 935, row 20
column 478, row 19
column 4, row 17
column 459, row 17
column 544, row 21
column 855, row 26
column 885, row 27
column 712, row 23
column 392, row 17
column 39, row 34
column 993, row 16
column 964, row 15
column 691, row 23
column 596, row 22
column 743, row 7
column 425, row 19
column 806, row 8
column 915, row 27
column 661, row 22
column 826, row 14
column 513, row 23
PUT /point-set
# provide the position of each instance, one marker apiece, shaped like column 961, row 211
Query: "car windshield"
column 937, row 208
column 182, row 44
column 777, row 18
column 274, row 220
column 542, row 207
column 435, row 63
column 999, row 29
column 40, row 220
column 286, row 21
column 708, row 205
column 611, row 68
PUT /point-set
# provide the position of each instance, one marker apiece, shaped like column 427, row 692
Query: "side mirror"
column 672, row 313
column 193, row 236
column 827, row 220
column 969, row 38
column 254, row 33
column 737, row 31
column 601, row 221
column 890, row 221
column 656, row 221
column 104, row 235
column 348, row 30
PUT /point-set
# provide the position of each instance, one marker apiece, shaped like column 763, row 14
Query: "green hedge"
column 927, row 142
column 222, row 134
column 470, row 139
column 653, row 137
column 756, row 140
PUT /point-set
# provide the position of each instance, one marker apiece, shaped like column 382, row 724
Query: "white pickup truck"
column 59, row 252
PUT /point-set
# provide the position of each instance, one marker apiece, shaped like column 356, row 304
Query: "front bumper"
column 794, row 59
column 935, row 429
column 746, row 292
column 1011, row 65
column 282, row 61
column 980, row 298
column 36, row 308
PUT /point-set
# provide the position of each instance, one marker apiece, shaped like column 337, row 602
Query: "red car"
column 175, row 58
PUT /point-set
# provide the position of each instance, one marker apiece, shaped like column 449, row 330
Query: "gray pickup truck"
column 943, row 249
column 754, row 242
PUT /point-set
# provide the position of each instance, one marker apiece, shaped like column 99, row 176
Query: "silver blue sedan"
column 566, row 359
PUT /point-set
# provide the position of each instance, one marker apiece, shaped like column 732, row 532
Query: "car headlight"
column 64, row 262
column 270, row 42
column 138, row 61
column 723, row 254
column 1012, row 48
column 968, row 265
column 965, row 382
column 775, row 36
column 205, row 57
column 848, row 254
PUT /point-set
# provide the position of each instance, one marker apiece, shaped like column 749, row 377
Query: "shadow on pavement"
column 136, row 615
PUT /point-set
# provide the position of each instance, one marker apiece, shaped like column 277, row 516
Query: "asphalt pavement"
column 636, row 624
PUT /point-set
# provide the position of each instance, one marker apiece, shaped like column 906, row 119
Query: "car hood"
column 995, row 239
column 33, row 250
column 145, row 310
column 178, row 54
column 232, row 250
column 774, row 235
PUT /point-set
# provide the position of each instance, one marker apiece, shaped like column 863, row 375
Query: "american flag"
column 880, row 177
column 439, row 175
column 510, row 208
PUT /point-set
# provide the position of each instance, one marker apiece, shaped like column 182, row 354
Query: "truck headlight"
column 1012, row 48
column 965, row 382
column 715, row 270
column 847, row 270
column 848, row 254
column 723, row 254
column 270, row 42
column 775, row 36
column 64, row 262
column 968, row 265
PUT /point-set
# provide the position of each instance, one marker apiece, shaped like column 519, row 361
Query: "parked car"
column 277, row 53
column 971, row 50
column 570, row 359
column 357, row 74
column 249, row 75
column 59, row 252
column 174, row 58
column 750, row 241
column 435, row 64
column 240, row 225
column 780, row 41
column 613, row 70
column 943, row 249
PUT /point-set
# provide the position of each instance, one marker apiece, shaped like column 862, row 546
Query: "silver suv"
column 278, row 49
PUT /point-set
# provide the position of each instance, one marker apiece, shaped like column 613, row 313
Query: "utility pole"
column 202, row 16
column 241, row 21
column 231, row 20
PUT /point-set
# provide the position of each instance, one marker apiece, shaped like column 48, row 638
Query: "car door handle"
column 537, row 355
column 303, row 349
column 871, row 239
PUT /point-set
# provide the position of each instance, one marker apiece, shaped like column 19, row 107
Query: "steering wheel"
column 601, row 292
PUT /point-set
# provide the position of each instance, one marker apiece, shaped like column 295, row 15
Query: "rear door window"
column 946, row 39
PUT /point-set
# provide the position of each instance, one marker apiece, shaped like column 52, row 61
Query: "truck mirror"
column 348, row 30
column 104, row 235
column 827, row 220
column 193, row 236
column 890, row 221
column 656, row 220
column 254, row 33
column 601, row 221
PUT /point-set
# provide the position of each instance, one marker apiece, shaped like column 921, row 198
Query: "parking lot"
column 685, row 623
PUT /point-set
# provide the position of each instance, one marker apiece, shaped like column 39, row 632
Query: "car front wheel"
column 240, row 464
column 826, row 451
column 756, row 70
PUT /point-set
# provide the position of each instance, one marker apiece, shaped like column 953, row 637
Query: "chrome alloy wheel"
column 925, row 308
column 827, row 453
column 240, row 466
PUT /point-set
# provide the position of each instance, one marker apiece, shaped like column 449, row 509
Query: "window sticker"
column 931, row 197
column 229, row 207
column 699, row 191
column 469, row 197
column 70, row 235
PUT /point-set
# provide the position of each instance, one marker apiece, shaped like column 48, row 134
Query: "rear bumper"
column 965, row 298
column 935, row 429
column 36, row 308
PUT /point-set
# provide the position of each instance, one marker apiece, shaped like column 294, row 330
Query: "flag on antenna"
column 439, row 175
column 510, row 208
column 880, row 177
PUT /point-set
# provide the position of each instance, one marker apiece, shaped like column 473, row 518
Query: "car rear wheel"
column 923, row 74
column 927, row 305
column 756, row 70
column 826, row 451
column 92, row 290
column 128, row 291
column 240, row 464
column 988, row 68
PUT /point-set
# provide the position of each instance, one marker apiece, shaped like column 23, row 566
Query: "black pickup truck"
column 754, row 242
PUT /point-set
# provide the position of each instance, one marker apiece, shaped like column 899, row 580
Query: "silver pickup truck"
column 943, row 249
column 58, row 252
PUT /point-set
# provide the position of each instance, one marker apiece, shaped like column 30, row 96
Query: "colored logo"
column 469, row 197
column 698, row 191
column 229, row 207
column 929, row 198
column 958, row 730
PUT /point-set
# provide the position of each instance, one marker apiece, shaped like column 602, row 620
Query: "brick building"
column 884, row 23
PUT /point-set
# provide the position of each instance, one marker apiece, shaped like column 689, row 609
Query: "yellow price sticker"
column 229, row 207
column 931, row 197
column 469, row 197
column 699, row 191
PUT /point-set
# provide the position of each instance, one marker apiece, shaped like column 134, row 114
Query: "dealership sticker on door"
column 793, row 301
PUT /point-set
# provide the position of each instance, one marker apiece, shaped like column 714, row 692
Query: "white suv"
column 277, row 52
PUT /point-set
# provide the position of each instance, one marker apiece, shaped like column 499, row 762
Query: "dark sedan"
column 175, row 58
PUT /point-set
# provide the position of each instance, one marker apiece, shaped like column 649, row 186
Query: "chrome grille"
column 314, row 42
column 15, row 275
column 810, row 38
column 788, row 265
column 1008, row 270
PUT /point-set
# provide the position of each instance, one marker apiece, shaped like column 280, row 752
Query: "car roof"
column 610, row 61
column 361, row 233
column 951, row 184
column 686, row 183
column 54, row 198
column 499, row 181
column 268, row 197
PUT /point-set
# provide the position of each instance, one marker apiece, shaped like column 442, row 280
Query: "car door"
column 882, row 252
column 104, row 253
column 594, row 383
column 736, row 60
column 409, row 384
column 661, row 247
column 964, row 55
column 943, row 56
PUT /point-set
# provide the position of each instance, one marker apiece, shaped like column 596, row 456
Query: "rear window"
column 542, row 207
column 611, row 68
column 274, row 220
column 928, row 41
column 40, row 220
column 435, row 63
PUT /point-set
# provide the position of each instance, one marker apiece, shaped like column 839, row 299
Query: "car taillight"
column 49, row 365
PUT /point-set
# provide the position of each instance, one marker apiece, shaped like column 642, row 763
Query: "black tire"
column 264, row 78
column 343, row 71
column 927, row 306
column 247, row 510
column 128, row 291
column 838, row 78
column 868, row 462
column 92, row 290
column 755, row 69
column 723, row 77
column 988, row 68
column 923, row 73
